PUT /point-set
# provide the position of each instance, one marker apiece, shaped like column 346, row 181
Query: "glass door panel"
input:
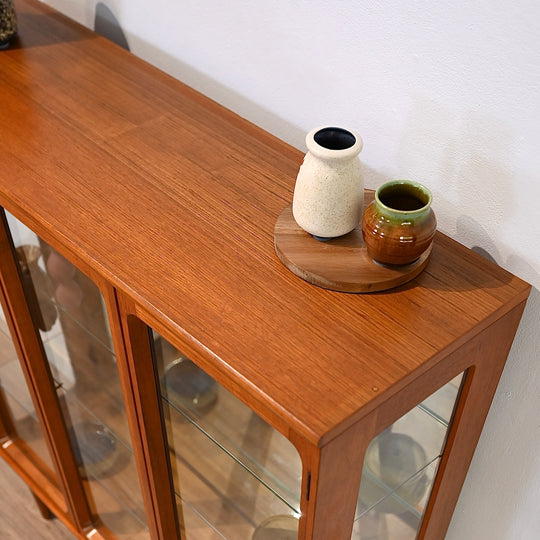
column 70, row 313
column 196, row 524
column 394, row 517
column 232, row 471
column 440, row 405
column 108, row 467
column 16, row 396
column 399, row 469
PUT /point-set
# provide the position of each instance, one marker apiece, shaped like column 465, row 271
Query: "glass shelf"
column 231, row 470
column 93, row 407
column 397, row 454
column 440, row 404
column 108, row 465
column 220, row 487
column 400, row 466
column 394, row 517
column 96, row 388
column 19, row 402
column 230, row 424
column 27, row 426
column 77, row 318
column 195, row 524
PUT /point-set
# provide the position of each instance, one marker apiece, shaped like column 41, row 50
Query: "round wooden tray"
column 341, row 264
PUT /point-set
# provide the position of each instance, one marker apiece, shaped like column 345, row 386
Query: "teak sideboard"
column 162, row 374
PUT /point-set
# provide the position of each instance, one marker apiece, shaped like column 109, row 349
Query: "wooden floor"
column 19, row 516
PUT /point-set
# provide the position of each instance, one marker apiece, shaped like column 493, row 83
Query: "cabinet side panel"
column 487, row 362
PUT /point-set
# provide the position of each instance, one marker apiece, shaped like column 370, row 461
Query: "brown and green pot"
column 399, row 225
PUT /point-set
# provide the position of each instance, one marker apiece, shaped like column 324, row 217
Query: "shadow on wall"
column 107, row 25
column 463, row 157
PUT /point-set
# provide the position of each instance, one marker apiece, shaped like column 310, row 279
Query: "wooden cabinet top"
column 173, row 199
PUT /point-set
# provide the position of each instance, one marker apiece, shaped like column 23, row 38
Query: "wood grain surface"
column 174, row 200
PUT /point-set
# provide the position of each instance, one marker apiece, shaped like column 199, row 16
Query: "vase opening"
column 334, row 138
column 404, row 197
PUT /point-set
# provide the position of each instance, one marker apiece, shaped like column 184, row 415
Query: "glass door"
column 234, row 476
column 399, row 469
column 70, row 313
column 17, row 409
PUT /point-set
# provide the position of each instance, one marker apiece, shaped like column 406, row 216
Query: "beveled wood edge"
column 243, row 389
column 331, row 478
column 306, row 447
column 176, row 335
column 277, row 416
column 129, row 395
column 429, row 366
column 241, row 123
column 473, row 361
column 143, row 407
column 63, row 245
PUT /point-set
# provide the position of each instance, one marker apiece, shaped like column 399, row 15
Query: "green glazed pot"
column 8, row 22
column 399, row 225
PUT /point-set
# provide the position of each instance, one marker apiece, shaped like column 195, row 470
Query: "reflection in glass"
column 19, row 405
column 282, row 527
column 399, row 468
column 232, row 471
column 390, row 461
column 393, row 518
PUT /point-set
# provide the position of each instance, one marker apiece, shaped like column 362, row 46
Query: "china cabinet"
column 162, row 374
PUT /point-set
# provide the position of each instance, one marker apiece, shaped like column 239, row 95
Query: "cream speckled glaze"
column 329, row 192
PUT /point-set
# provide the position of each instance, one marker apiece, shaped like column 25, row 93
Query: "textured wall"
column 446, row 93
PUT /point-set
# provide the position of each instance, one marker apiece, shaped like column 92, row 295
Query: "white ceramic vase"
column 329, row 192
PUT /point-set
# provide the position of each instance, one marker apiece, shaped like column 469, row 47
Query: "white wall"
column 444, row 92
